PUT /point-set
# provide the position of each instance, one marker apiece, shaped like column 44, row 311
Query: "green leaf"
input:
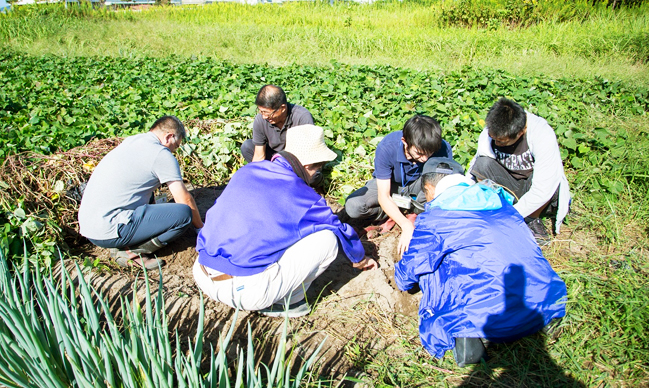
column 569, row 143
column 20, row 213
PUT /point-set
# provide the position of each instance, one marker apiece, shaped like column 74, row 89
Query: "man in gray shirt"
column 275, row 117
column 115, row 210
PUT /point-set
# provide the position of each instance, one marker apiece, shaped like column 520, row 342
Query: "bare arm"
column 181, row 195
column 260, row 153
column 366, row 264
column 391, row 209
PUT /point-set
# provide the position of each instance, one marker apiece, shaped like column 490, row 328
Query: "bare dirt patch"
column 356, row 311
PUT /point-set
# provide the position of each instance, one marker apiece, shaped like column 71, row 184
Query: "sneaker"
column 539, row 231
column 297, row 309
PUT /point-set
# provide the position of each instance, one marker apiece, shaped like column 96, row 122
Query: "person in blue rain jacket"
column 480, row 270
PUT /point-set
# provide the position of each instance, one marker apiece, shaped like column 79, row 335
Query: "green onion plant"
column 62, row 333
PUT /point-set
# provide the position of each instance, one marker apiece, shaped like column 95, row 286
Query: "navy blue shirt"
column 390, row 160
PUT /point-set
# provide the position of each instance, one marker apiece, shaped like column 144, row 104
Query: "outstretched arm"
column 391, row 209
column 181, row 195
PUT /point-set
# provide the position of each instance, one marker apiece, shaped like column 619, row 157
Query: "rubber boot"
column 148, row 247
column 469, row 351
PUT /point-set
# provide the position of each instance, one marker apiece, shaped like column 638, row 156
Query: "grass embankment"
column 609, row 43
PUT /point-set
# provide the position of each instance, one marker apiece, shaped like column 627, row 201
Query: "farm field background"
column 362, row 70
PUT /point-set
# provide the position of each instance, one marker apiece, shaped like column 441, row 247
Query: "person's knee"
column 329, row 238
column 187, row 216
column 481, row 164
column 356, row 203
column 247, row 150
column 354, row 208
column 485, row 167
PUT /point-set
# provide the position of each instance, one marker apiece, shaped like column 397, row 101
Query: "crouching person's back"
column 480, row 270
column 269, row 234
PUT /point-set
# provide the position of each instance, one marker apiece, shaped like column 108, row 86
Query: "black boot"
column 469, row 351
column 148, row 247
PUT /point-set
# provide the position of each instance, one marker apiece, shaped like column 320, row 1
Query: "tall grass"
column 610, row 43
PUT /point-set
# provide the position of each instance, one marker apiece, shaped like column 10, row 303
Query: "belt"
column 216, row 278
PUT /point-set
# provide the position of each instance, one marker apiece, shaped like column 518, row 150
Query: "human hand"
column 406, row 235
column 366, row 264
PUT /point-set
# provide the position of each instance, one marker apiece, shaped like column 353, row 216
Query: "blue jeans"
column 166, row 221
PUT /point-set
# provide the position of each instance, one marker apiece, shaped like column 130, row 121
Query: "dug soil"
column 351, row 308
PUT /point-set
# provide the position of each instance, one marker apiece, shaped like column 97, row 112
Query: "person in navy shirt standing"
column 398, row 165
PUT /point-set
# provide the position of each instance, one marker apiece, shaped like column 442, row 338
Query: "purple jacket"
column 265, row 209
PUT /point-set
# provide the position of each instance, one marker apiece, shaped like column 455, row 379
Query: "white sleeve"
column 548, row 168
column 484, row 149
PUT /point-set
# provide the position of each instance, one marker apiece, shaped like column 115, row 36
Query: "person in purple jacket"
column 269, row 234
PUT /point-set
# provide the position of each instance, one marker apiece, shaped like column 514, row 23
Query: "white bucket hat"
column 450, row 181
column 307, row 143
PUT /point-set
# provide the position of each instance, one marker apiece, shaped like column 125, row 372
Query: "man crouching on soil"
column 269, row 234
column 115, row 211
column 480, row 271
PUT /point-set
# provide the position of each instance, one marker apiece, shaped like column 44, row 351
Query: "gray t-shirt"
column 123, row 181
column 264, row 132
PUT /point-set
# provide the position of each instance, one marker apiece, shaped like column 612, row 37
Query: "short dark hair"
column 506, row 119
column 170, row 124
column 432, row 179
column 271, row 97
column 424, row 133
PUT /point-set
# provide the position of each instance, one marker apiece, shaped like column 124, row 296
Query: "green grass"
column 612, row 44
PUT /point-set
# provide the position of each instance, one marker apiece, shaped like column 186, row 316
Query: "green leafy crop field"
column 51, row 103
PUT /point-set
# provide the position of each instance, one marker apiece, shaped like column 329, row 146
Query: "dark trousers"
column 364, row 202
column 248, row 151
column 488, row 168
column 166, row 221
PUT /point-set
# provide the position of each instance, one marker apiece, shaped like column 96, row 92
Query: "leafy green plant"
column 63, row 334
column 27, row 236
column 211, row 154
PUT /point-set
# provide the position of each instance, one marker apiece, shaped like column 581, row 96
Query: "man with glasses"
column 398, row 164
column 275, row 116
column 116, row 210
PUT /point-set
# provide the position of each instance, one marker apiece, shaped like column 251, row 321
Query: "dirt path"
column 350, row 306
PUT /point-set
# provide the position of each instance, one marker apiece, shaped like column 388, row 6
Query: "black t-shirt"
column 516, row 158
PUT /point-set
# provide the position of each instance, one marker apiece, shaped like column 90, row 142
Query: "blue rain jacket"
column 480, row 271
column 265, row 209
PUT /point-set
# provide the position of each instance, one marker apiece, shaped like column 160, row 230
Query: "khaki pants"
column 289, row 277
